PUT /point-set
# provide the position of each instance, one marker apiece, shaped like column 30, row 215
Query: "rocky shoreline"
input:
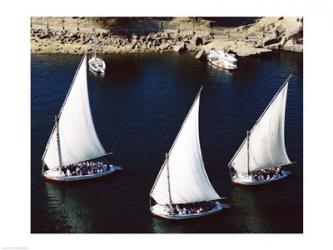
column 53, row 41
column 263, row 36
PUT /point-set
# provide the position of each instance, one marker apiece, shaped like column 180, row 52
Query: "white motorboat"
column 182, row 189
column 74, row 140
column 263, row 153
column 222, row 59
column 97, row 65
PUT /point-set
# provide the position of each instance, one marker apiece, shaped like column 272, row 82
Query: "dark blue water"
column 138, row 108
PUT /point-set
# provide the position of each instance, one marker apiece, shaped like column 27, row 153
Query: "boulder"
column 44, row 36
column 201, row 54
column 85, row 41
column 189, row 46
column 274, row 46
column 198, row 41
column 179, row 47
column 165, row 46
column 271, row 39
column 206, row 40
column 291, row 45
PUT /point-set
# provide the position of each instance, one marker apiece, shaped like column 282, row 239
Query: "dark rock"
column 85, row 41
column 44, row 36
column 179, row 47
column 271, row 41
column 189, row 46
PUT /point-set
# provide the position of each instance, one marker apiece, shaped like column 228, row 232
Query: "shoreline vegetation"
column 73, row 35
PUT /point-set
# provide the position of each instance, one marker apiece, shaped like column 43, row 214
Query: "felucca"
column 73, row 143
column 182, row 189
column 261, row 156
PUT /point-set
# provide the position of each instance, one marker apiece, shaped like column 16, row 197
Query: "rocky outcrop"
column 279, row 33
column 265, row 35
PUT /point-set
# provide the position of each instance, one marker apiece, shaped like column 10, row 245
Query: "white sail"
column 266, row 142
column 187, row 176
column 78, row 138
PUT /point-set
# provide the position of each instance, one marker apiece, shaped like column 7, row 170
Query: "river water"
column 138, row 108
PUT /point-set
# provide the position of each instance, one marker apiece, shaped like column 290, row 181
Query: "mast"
column 168, row 175
column 58, row 143
column 248, row 152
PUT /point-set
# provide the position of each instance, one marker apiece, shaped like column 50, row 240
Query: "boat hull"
column 158, row 210
column 53, row 175
column 250, row 182
column 221, row 66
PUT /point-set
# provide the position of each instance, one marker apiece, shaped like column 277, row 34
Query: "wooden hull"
column 250, row 182
column 53, row 175
column 158, row 210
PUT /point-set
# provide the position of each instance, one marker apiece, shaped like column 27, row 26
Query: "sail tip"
column 289, row 77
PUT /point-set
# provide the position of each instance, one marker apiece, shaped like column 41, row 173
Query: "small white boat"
column 182, row 189
column 222, row 59
column 74, row 140
column 96, row 65
column 263, row 151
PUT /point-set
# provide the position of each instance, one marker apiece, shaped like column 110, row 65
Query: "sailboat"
column 73, row 142
column 182, row 189
column 261, row 156
column 96, row 65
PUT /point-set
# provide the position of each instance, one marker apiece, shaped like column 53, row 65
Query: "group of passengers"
column 267, row 174
column 85, row 168
column 191, row 208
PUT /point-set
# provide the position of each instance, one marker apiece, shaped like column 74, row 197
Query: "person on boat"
column 63, row 169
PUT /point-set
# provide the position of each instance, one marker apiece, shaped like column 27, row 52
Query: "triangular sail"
column 266, row 142
column 187, row 176
column 77, row 134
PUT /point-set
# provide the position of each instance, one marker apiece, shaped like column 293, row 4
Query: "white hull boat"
column 97, row 65
column 249, row 181
column 263, row 150
column 54, row 175
column 182, row 183
column 222, row 60
column 162, row 211
column 222, row 64
column 73, row 140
